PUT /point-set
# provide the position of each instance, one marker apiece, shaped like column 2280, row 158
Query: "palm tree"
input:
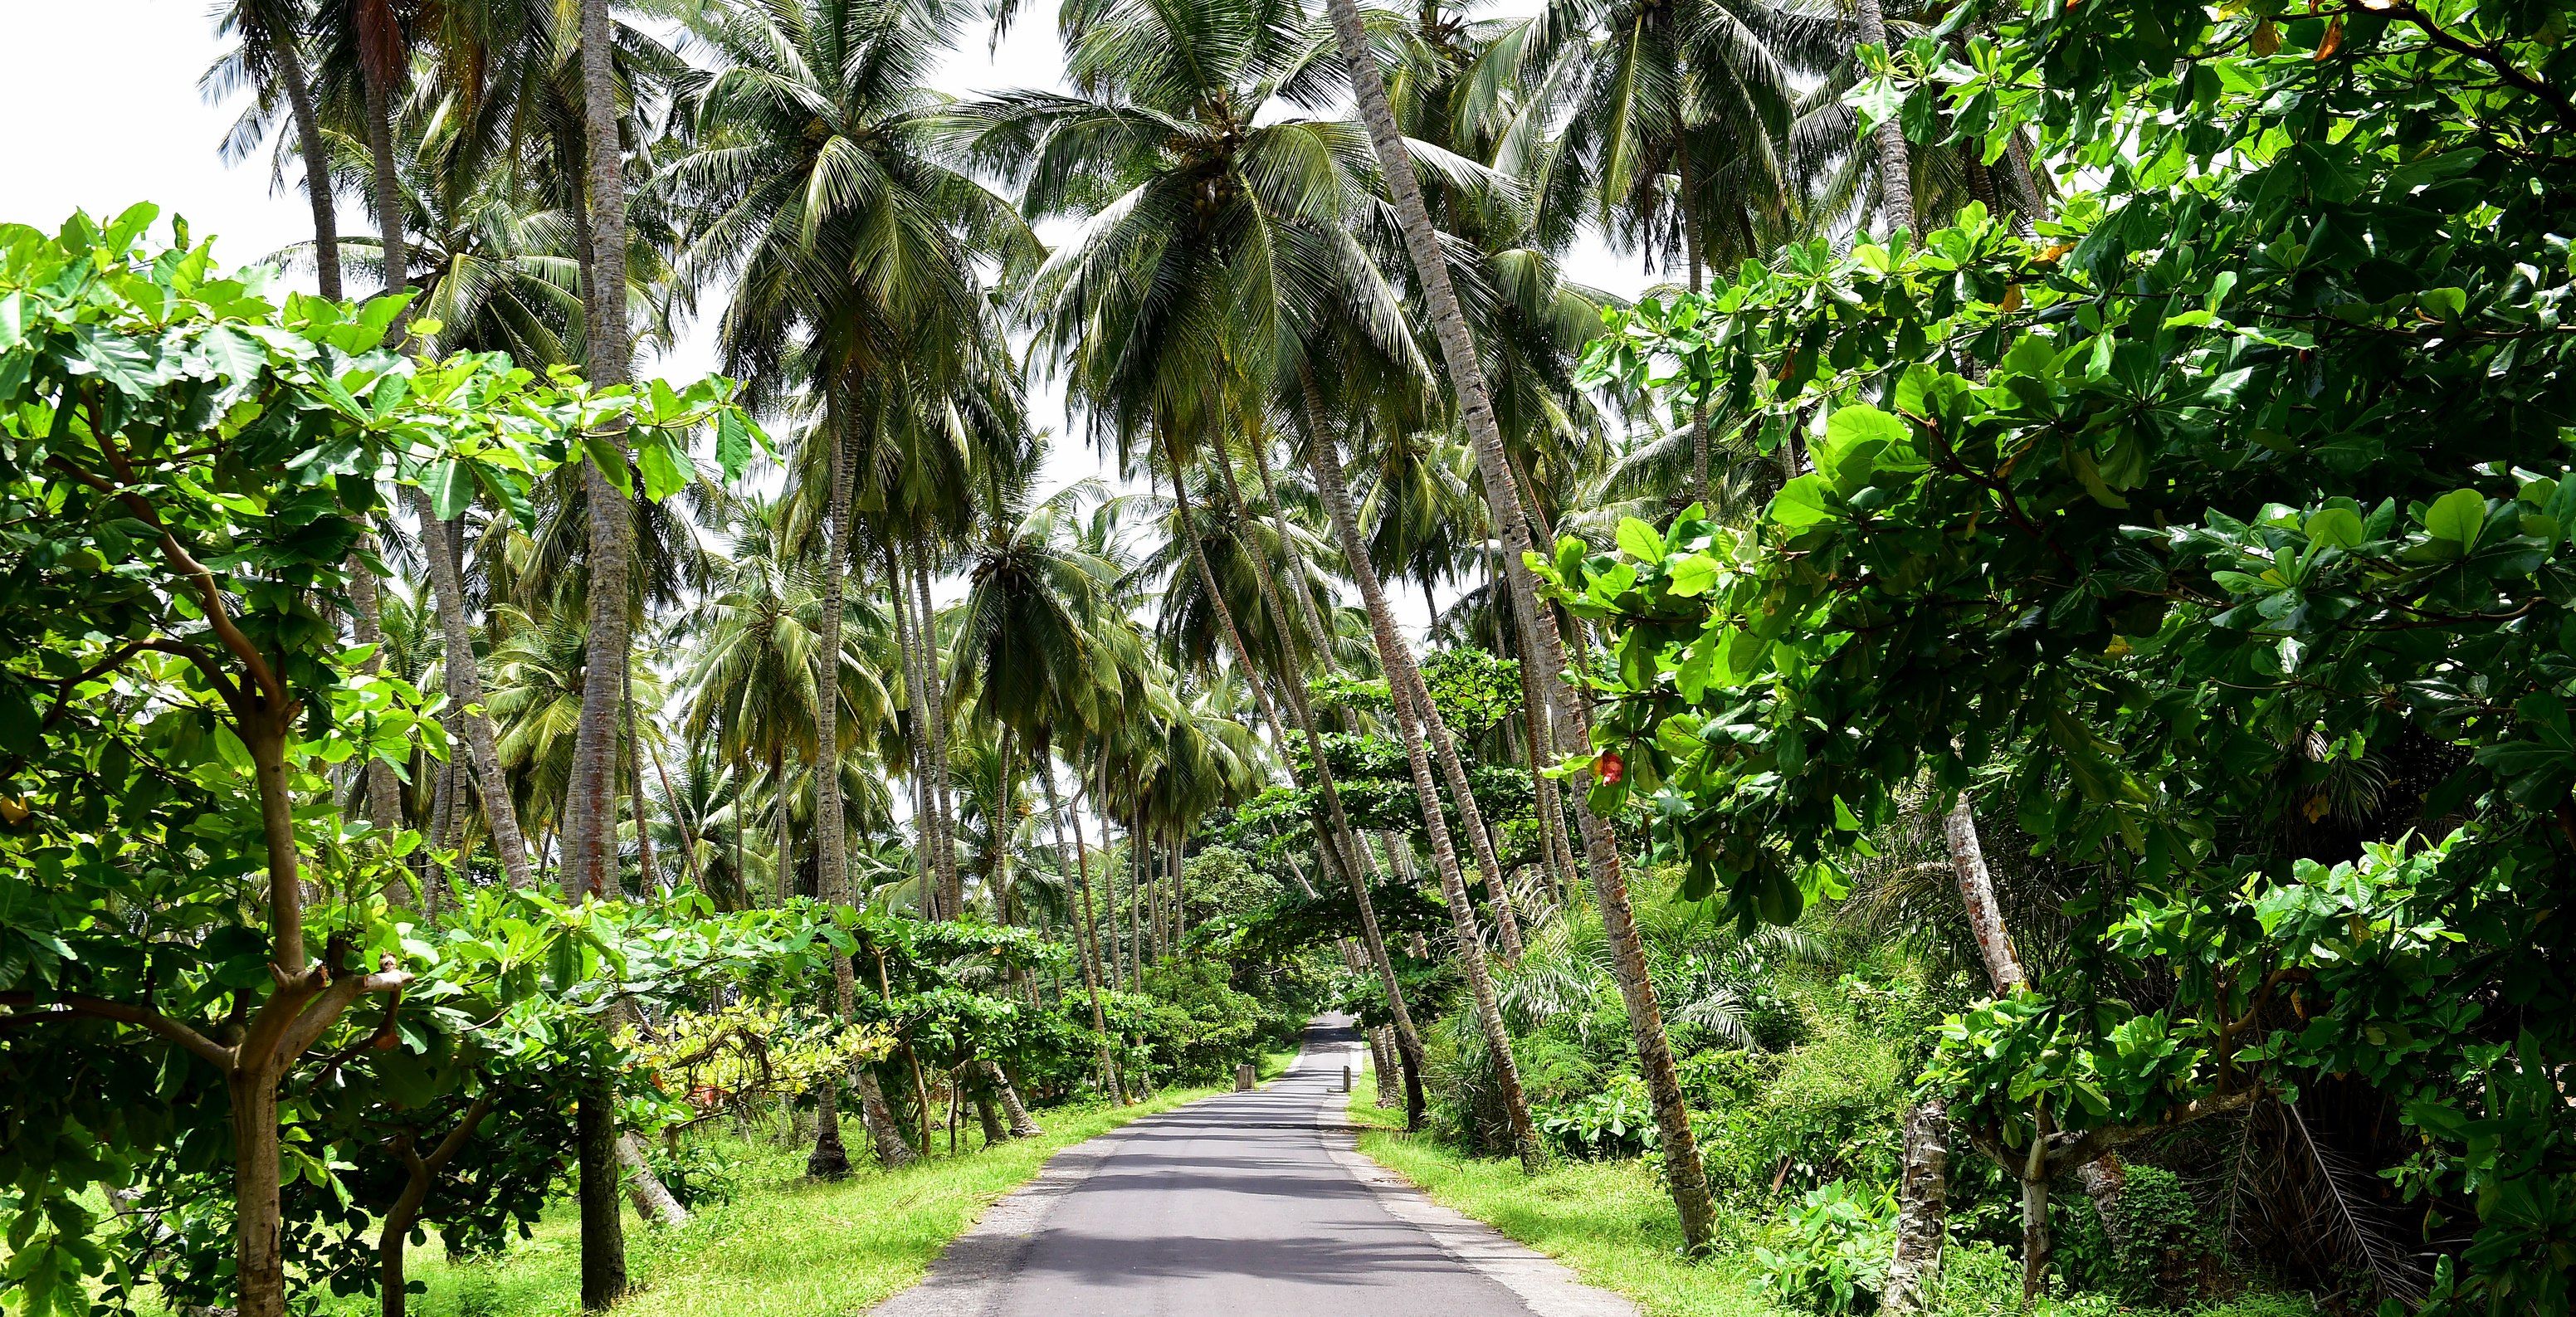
column 270, row 62
column 754, row 656
column 1475, row 405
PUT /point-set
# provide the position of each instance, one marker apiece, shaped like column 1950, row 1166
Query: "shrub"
column 1618, row 1121
column 697, row 1173
column 1830, row 1253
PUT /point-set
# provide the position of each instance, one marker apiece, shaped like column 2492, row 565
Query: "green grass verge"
column 785, row 1247
column 1609, row 1221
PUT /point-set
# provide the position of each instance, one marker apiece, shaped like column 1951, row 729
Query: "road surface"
column 1243, row 1205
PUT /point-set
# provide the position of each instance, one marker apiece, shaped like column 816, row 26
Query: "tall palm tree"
column 270, row 61
column 1212, row 210
column 1475, row 404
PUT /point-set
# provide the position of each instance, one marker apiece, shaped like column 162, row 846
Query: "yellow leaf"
column 2267, row 38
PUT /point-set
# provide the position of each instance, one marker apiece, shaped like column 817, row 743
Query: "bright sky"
column 103, row 110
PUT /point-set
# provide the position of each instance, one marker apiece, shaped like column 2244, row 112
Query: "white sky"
column 103, row 111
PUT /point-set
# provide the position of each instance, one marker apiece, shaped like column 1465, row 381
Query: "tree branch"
column 315, row 1018
column 74, row 1004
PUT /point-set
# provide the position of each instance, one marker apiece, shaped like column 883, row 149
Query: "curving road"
column 1245, row 1205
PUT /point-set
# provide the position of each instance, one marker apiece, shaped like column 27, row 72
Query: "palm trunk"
column 465, row 693
column 1895, row 161
column 1475, row 404
column 384, row 797
column 1690, row 256
column 830, row 1160
column 603, row 1225
column 1541, row 695
column 1216, row 597
column 1413, row 711
column 1922, row 1219
column 1336, row 849
column 1022, row 1127
column 944, row 818
column 2004, row 968
column 917, row 745
column 653, row 1201
column 782, row 877
column 380, row 61
column 317, row 164
column 644, row 874
column 1091, row 967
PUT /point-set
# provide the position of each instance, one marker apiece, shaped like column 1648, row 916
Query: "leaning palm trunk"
column 917, row 745
column 1412, row 711
column 1091, row 969
column 2004, row 967
column 1022, row 1127
column 317, row 163
column 465, row 693
column 1328, row 792
column 1475, row 404
column 1216, row 597
column 1469, row 817
column 644, row 874
column 1922, row 1219
column 830, row 1160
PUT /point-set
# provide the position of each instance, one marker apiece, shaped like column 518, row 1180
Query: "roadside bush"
column 1618, row 1121
column 1830, row 1253
column 697, row 1172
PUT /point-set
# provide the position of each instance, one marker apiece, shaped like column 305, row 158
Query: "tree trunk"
column 1413, row 711
column 603, row 1228
column 892, row 1152
column 647, row 881
column 380, row 67
column 591, row 834
column 1091, row 968
column 1388, row 1067
column 1923, row 1217
column 317, row 163
column 782, row 877
column 935, row 702
column 2103, row 1179
column 465, row 692
column 1022, row 1126
column 423, row 1173
column 1216, row 597
column 384, row 797
column 653, row 1199
column 830, row 1160
column 925, row 858
column 1895, row 159
column 1977, row 890
column 1475, row 404
column 258, row 1257
column 2038, row 1243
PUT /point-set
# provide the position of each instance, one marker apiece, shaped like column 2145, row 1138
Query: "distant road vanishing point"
column 1244, row 1205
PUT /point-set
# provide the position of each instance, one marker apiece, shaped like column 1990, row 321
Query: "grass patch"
column 787, row 1247
column 1609, row 1221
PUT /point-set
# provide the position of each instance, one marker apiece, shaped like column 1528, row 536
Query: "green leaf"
column 1692, row 576
column 1802, row 502
column 609, row 454
column 1640, row 541
column 451, row 489
column 733, row 444
column 2456, row 517
column 666, row 469
column 2340, row 527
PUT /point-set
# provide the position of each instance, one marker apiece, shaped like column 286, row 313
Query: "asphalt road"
column 1235, row 1206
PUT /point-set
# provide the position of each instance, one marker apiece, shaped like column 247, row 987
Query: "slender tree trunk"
column 782, row 878
column 380, row 66
column 1216, row 597
column 1539, row 689
column 1413, row 711
column 1690, row 254
column 892, row 1152
column 653, row 1200
column 384, row 797
column 317, row 163
column 422, row 1173
column 647, row 881
column 830, row 1160
column 1977, row 891
column 1091, row 960
column 259, row 1259
column 926, row 633
column 1895, row 159
column 917, row 745
column 465, row 693
column 1688, row 1178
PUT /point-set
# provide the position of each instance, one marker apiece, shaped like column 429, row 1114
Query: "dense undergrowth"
column 1800, row 1049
